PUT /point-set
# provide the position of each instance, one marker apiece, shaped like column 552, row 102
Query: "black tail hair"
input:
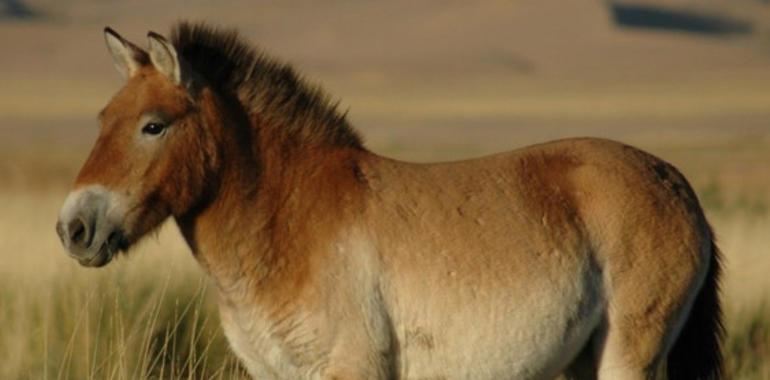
column 697, row 353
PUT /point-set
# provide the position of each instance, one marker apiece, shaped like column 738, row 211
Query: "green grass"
column 713, row 198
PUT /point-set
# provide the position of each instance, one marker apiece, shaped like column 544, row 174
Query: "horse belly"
column 530, row 332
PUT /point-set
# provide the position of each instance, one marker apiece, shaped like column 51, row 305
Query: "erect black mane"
column 263, row 85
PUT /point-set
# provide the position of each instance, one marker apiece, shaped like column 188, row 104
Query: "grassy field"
column 423, row 81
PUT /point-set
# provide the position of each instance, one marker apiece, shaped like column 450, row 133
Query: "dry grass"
column 746, row 287
column 149, row 316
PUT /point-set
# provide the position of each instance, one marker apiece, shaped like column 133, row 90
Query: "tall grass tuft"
column 113, row 329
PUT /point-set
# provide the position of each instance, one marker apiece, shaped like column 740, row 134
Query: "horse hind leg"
column 642, row 324
column 632, row 342
column 628, row 355
column 604, row 357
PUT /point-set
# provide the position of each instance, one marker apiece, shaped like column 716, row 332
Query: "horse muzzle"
column 89, row 226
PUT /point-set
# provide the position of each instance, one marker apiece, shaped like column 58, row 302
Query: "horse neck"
column 269, row 213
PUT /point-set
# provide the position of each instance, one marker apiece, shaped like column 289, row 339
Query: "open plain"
column 423, row 81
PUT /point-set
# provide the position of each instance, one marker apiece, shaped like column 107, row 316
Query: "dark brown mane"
column 265, row 87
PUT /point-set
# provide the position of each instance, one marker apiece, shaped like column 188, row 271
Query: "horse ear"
column 164, row 57
column 128, row 57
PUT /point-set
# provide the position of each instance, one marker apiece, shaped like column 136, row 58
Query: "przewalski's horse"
column 585, row 257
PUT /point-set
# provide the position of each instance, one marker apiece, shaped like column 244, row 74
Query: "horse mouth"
column 108, row 250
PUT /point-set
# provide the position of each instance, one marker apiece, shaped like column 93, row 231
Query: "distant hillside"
column 401, row 64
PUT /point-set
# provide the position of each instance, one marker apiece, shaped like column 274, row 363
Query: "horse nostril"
column 78, row 233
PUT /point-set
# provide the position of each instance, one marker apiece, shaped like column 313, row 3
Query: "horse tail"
column 697, row 352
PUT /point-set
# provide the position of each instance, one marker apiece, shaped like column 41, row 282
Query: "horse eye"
column 153, row 128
